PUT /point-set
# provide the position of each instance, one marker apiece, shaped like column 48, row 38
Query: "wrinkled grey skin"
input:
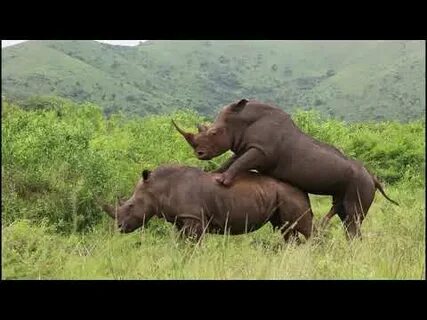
column 196, row 203
column 265, row 138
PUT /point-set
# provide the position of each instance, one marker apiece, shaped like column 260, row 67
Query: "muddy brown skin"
column 265, row 138
column 194, row 202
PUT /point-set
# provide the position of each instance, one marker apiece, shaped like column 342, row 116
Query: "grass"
column 393, row 247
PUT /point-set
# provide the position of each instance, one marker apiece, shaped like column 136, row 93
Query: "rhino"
column 265, row 138
column 192, row 200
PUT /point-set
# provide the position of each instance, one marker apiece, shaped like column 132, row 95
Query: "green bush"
column 32, row 251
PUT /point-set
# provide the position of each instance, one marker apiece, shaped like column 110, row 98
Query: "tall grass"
column 393, row 247
column 58, row 157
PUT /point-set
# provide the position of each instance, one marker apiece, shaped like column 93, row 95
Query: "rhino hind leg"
column 304, row 224
column 293, row 215
column 191, row 229
column 291, row 228
column 336, row 207
column 288, row 234
column 291, row 236
column 356, row 203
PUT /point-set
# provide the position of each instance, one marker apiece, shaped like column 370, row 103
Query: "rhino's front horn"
column 188, row 136
column 109, row 210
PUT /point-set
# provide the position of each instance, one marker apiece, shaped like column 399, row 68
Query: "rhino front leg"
column 226, row 164
column 249, row 160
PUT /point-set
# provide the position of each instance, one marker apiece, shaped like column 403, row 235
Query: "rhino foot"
column 224, row 179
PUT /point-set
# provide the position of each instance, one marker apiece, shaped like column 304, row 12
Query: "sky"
column 7, row 43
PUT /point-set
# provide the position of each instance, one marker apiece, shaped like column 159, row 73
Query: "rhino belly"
column 240, row 221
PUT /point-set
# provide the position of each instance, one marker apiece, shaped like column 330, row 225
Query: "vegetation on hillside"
column 350, row 80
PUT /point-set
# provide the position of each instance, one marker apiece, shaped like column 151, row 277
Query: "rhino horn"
column 109, row 210
column 121, row 201
column 201, row 128
column 188, row 136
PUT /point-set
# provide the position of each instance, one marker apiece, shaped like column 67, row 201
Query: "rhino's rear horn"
column 188, row 136
column 201, row 128
column 121, row 200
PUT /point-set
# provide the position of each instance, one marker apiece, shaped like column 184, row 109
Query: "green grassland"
column 350, row 80
column 58, row 155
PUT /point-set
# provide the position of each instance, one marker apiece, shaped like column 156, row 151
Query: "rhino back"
column 291, row 155
column 178, row 190
column 244, row 206
column 187, row 191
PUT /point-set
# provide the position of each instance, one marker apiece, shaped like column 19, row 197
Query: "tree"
column 330, row 73
column 288, row 72
column 130, row 98
column 223, row 59
column 318, row 102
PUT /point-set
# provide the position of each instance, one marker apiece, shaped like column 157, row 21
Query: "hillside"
column 351, row 80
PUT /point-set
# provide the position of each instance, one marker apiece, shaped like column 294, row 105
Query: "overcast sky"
column 6, row 43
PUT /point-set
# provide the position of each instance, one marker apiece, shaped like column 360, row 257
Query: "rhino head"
column 137, row 210
column 209, row 142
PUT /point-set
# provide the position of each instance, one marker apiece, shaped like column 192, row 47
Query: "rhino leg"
column 357, row 200
column 291, row 236
column 249, row 160
column 327, row 218
column 336, row 207
column 226, row 164
column 288, row 234
column 295, row 215
column 192, row 229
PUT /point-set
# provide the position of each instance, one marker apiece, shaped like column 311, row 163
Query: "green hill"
column 351, row 80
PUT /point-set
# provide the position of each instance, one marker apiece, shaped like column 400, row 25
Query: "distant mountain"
column 351, row 80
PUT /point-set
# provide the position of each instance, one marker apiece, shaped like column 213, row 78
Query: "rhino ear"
column 237, row 107
column 145, row 174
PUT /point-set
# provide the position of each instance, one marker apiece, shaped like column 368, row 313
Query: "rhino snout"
column 123, row 228
column 203, row 155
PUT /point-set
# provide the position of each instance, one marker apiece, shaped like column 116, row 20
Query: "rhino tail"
column 379, row 187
